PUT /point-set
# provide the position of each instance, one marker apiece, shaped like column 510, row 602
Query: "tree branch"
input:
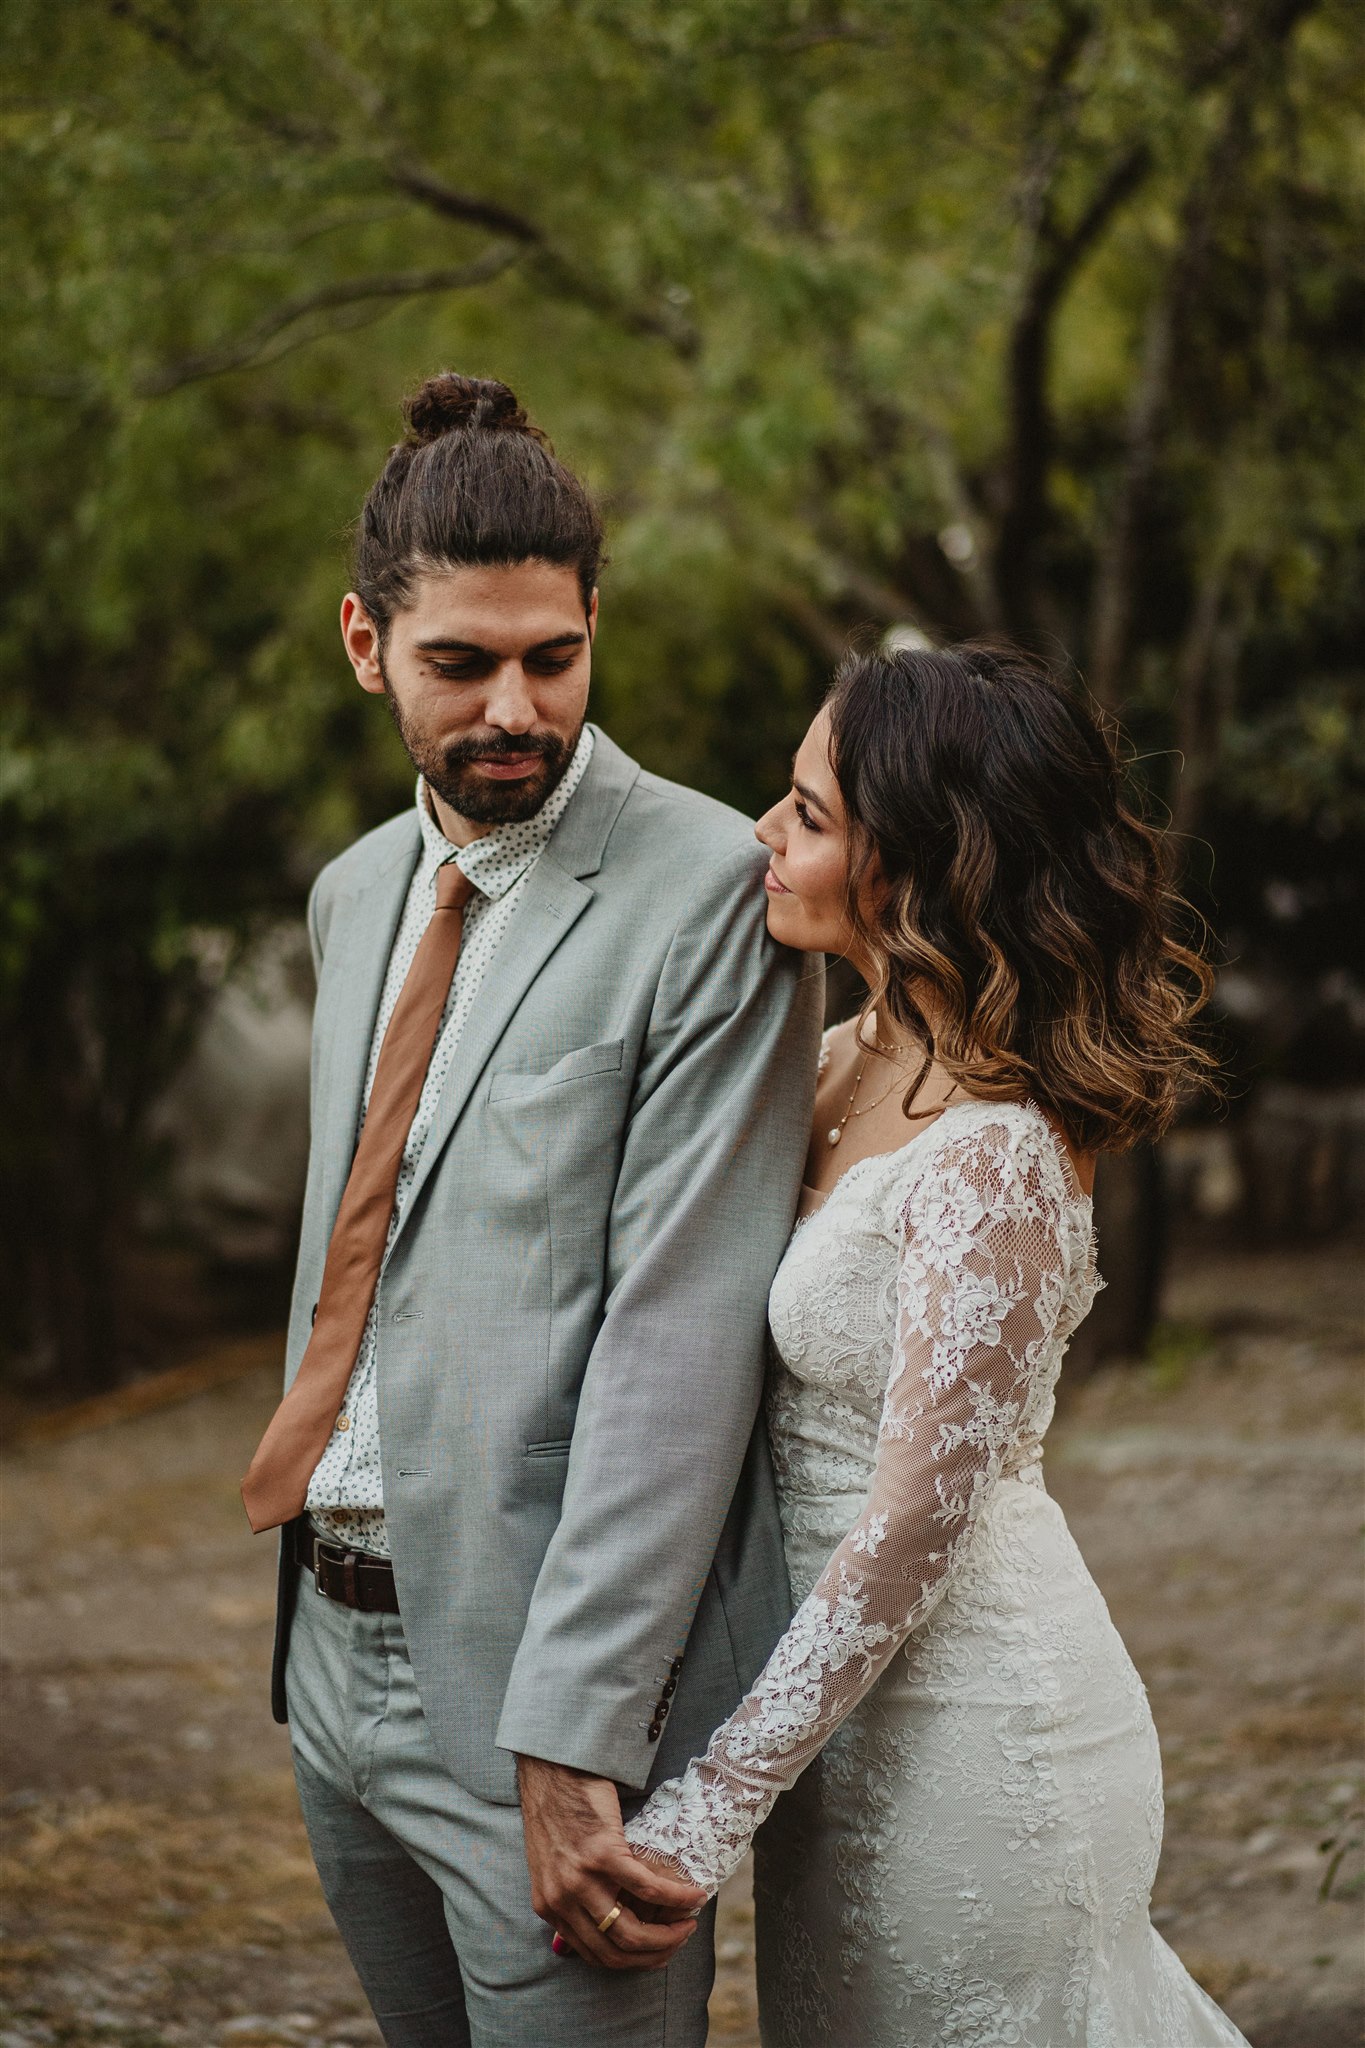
column 423, row 185
column 250, row 347
column 889, row 606
column 404, row 174
column 815, row 625
column 178, row 44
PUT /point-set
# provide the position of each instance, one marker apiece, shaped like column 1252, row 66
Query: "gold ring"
column 609, row 1920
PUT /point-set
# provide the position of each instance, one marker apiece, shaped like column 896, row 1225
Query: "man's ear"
column 360, row 638
column 592, row 617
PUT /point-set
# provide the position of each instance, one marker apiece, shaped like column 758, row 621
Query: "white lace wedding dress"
column 964, row 1854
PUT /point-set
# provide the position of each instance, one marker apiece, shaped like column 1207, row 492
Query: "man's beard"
column 451, row 772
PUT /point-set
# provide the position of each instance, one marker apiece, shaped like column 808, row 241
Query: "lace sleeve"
column 980, row 1287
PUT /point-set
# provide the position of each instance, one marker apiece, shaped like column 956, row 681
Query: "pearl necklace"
column 836, row 1131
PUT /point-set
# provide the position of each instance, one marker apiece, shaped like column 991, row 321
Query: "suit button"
column 675, row 1667
column 670, row 1688
column 661, row 1711
column 656, row 1729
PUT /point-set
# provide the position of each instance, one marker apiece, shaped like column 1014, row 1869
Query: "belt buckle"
column 349, row 1562
column 318, row 1542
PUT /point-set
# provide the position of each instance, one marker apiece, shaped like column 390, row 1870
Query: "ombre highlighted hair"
column 1015, row 907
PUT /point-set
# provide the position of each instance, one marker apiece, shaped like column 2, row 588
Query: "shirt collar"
column 502, row 856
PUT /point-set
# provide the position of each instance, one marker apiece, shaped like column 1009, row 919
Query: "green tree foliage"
column 1027, row 316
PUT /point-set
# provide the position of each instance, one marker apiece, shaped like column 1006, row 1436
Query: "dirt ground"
column 157, row 1888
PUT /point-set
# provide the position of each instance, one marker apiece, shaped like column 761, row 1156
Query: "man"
column 561, row 1092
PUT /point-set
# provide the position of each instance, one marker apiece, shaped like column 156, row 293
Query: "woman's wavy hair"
column 1002, row 886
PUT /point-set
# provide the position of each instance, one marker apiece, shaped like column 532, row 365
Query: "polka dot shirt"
column 345, row 1494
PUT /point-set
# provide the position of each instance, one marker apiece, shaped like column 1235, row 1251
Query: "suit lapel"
column 551, row 905
column 348, row 997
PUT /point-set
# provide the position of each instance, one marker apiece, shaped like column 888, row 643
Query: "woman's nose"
column 766, row 832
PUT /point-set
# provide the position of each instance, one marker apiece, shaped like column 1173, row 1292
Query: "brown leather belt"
column 350, row 1576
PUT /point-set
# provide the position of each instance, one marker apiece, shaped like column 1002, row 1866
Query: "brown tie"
column 276, row 1484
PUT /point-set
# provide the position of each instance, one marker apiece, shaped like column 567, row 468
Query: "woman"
column 965, row 1852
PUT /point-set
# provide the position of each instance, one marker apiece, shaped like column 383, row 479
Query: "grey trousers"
column 428, row 1884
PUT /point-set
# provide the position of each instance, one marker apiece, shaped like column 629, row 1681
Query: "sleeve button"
column 670, row 1688
column 675, row 1667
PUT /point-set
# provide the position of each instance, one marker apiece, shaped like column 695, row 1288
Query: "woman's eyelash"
column 804, row 815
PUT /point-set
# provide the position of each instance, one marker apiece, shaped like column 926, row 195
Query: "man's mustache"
column 494, row 744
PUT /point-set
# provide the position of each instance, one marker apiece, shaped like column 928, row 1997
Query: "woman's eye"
column 804, row 815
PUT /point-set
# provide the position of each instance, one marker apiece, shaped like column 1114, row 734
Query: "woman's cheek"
column 819, row 891
column 828, row 882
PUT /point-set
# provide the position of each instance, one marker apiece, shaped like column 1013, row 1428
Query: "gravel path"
column 157, row 1888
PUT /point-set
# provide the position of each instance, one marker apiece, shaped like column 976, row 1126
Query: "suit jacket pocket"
column 575, row 1066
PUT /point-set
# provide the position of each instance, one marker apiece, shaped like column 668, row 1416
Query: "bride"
column 970, row 1819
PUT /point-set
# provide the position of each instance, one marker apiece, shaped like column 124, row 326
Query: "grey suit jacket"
column 572, row 1314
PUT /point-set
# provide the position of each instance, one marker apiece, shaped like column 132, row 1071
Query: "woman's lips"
column 773, row 886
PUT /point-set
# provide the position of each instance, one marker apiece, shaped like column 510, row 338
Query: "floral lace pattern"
column 966, row 1851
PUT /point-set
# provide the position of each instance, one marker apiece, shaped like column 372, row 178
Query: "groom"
column 560, row 1098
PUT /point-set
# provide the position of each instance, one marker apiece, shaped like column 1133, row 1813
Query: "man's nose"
column 509, row 705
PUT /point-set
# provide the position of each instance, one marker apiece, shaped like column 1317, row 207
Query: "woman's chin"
column 787, row 925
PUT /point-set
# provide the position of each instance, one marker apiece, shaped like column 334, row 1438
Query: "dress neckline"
column 813, row 1200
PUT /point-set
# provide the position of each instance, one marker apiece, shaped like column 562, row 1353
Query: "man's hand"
column 581, row 1867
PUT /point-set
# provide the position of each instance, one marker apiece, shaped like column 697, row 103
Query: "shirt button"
column 343, row 1422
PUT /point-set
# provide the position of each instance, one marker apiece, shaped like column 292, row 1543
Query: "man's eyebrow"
column 809, row 796
column 444, row 646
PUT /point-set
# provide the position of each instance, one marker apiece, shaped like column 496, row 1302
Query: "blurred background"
column 896, row 318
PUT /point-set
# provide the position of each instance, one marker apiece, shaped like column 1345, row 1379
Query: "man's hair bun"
column 471, row 484
column 449, row 403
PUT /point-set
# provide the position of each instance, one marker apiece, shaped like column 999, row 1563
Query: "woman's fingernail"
column 560, row 1946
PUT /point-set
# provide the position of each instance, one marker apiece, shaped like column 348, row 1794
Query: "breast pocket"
column 580, row 1065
